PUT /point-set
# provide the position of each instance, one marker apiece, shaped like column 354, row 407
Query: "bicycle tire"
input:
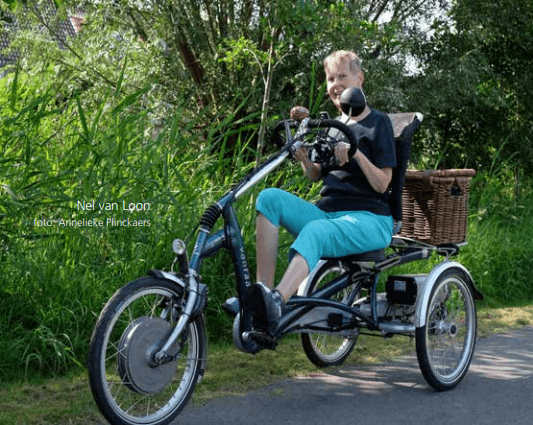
column 446, row 341
column 325, row 350
column 127, row 387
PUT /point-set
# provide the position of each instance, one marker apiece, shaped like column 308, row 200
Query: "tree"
column 480, row 59
column 233, row 60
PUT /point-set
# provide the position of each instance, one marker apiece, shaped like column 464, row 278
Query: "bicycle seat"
column 370, row 256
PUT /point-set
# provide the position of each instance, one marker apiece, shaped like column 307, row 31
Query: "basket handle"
column 455, row 190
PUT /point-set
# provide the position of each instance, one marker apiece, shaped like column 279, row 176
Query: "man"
column 353, row 215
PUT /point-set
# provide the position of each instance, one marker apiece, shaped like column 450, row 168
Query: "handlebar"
column 343, row 128
column 287, row 125
column 288, row 148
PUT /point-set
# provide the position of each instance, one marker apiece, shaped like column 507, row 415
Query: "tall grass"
column 501, row 237
column 55, row 280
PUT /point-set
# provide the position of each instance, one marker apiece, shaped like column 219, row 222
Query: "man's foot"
column 231, row 306
column 265, row 306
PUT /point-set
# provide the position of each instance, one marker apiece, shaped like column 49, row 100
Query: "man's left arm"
column 379, row 178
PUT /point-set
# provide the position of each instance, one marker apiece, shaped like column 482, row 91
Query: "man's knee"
column 268, row 204
column 268, row 197
column 268, row 201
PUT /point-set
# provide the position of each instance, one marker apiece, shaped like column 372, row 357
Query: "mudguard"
column 424, row 291
column 160, row 274
column 201, row 301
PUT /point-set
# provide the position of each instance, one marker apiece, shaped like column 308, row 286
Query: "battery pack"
column 403, row 289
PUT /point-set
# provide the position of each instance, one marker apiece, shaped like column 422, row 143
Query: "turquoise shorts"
column 320, row 234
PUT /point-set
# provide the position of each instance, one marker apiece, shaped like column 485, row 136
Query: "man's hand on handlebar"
column 311, row 170
column 301, row 154
column 325, row 150
column 342, row 153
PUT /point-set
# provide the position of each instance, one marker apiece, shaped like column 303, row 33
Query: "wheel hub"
column 140, row 341
column 453, row 329
column 443, row 327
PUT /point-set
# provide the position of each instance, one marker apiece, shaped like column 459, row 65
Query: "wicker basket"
column 435, row 205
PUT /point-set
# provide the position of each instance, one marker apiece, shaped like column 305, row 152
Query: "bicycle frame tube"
column 301, row 306
column 235, row 245
column 261, row 173
column 208, row 244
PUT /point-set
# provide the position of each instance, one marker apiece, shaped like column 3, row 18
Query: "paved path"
column 497, row 390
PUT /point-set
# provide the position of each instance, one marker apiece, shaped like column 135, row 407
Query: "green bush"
column 501, row 237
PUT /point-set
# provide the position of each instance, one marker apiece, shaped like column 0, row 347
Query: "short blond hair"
column 344, row 55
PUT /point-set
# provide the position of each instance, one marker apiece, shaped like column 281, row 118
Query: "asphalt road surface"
column 497, row 390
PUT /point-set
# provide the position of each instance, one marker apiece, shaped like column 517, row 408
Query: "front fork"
column 196, row 300
column 206, row 246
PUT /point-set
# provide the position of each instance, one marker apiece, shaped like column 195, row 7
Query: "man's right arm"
column 311, row 170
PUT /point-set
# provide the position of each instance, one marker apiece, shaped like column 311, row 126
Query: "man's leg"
column 277, row 208
column 297, row 271
column 266, row 305
column 349, row 233
column 267, row 241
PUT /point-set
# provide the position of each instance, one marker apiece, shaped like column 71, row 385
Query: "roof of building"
column 66, row 28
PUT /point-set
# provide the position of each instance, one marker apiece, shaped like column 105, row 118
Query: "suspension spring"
column 210, row 217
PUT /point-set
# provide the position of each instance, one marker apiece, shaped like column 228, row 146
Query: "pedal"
column 264, row 340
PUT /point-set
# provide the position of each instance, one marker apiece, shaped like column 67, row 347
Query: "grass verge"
column 67, row 400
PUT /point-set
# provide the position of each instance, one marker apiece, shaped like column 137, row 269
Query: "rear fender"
column 425, row 289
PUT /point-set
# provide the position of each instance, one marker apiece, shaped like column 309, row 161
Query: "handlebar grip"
column 343, row 128
column 298, row 113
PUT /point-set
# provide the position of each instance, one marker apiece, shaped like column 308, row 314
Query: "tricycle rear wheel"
column 445, row 343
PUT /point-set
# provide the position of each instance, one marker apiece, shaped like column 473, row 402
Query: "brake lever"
column 302, row 129
column 298, row 139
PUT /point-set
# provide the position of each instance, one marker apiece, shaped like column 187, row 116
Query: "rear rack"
column 408, row 250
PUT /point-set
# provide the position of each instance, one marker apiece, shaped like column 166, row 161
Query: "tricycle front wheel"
column 127, row 385
column 445, row 343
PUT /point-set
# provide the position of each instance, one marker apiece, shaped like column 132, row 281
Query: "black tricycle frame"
column 362, row 269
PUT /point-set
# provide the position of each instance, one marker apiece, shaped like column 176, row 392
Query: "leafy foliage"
column 481, row 65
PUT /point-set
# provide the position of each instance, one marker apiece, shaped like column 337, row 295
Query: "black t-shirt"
column 346, row 188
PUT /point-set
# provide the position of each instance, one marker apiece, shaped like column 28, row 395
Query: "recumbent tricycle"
column 149, row 347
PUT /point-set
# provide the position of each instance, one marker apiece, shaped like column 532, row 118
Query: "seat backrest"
column 404, row 126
